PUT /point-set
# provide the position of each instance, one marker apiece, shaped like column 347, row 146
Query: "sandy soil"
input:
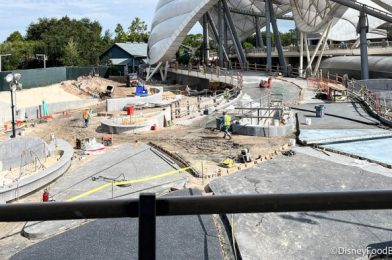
column 34, row 96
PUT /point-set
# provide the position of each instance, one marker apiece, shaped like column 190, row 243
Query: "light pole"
column 3, row 55
column 14, row 80
column 45, row 58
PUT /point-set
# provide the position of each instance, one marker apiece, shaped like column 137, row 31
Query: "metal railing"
column 148, row 207
column 215, row 73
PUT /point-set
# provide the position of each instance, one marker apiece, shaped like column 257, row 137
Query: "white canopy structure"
column 173, row 19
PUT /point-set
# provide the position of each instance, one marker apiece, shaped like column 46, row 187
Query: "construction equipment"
column 228, row 163
column 244, row 156
column 265, row 83
column 107, row 140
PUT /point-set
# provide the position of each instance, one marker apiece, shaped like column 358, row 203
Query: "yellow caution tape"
column 95, row 190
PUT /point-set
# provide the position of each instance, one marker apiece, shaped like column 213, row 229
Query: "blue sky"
column 16, row 15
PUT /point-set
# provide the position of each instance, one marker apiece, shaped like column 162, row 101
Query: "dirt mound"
column 88, row 86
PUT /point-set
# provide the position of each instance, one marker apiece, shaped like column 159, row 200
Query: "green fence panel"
column 43, row 77
column 36, row 77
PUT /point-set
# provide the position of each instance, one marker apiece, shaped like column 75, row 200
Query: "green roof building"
column 126, row 56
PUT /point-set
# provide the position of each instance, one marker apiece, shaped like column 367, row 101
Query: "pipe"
column 268, row 35
column 195, row 205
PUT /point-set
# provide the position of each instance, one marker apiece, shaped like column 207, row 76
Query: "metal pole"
column 205, row 40
column 363, row 29
column 322, row 50
column 147, row 226
column 236, row 40
column 301, row 55
column 278, row 42
column 215, row 32
column 220, row 33
column 13, row 112
column 268, row 35
column 259, row 40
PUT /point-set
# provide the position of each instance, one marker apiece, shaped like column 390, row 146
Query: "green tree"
column 137, row 31
column 71, row 54
column 14, row 37
column 56, row 34
column 121, row 36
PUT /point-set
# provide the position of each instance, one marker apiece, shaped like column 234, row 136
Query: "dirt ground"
column 204, row 149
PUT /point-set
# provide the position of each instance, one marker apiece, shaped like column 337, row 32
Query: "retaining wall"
column 118, row 104
column 16, row 151
column 192, row 82
column 267, row 131
column 113, row 125
column 35, row 112
column 40, row 179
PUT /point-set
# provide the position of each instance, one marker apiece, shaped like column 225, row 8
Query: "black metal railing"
column 147, row 207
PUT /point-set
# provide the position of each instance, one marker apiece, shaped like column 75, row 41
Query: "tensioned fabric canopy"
column 173, row 19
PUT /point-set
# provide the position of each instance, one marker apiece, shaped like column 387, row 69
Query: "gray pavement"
column 311, row 235
column 130, row 162
column 345, row 115
column 179, row 237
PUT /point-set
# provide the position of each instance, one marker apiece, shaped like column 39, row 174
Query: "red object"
column 45, row 196
column 5, row 127
column 130, row 110
column 154, row 127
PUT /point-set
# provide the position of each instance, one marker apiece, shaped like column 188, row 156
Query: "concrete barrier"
column 40, row 179
column 114, row 126
column 21, row 150
column 35, row 112
column 118, row 104
column 267, row 131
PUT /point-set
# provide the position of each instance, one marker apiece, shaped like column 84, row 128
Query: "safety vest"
column 227, row 120
column 86, row 114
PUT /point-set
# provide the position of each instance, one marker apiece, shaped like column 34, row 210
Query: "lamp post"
column 14, row 80
column 45, row 58
column 3, row 55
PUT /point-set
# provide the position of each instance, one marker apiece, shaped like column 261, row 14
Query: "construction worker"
column 226, row 125
column 226, row 94
column 86, row 117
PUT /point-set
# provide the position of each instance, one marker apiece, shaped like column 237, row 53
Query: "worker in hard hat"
column 86, row 117
column 226, row 125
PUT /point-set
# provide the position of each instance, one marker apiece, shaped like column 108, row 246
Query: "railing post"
column 147, row 226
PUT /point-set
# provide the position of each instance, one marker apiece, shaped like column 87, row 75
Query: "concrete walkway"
column 178, row 237
column 311, row 235
column 130, row 162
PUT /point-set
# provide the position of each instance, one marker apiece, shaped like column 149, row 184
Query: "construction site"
column 233, row 160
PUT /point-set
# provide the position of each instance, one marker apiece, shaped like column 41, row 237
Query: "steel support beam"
column 363, row 29
column 236, row 39
column 206, row 44
column 322, row 50
column 301, row 54
column 268, row 35
column 278, row 42
column 259, row 39
column 385, row 16
column 258, row 14
column 220, row 33
column 215, row 33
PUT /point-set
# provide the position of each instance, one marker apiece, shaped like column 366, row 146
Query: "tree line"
column 65, row 42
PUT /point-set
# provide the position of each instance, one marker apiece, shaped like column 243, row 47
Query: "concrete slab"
column 128, row 162
column 322, row 136
column 337, row 116
column 179, row 237
column 311, row 235
column 379, row 150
